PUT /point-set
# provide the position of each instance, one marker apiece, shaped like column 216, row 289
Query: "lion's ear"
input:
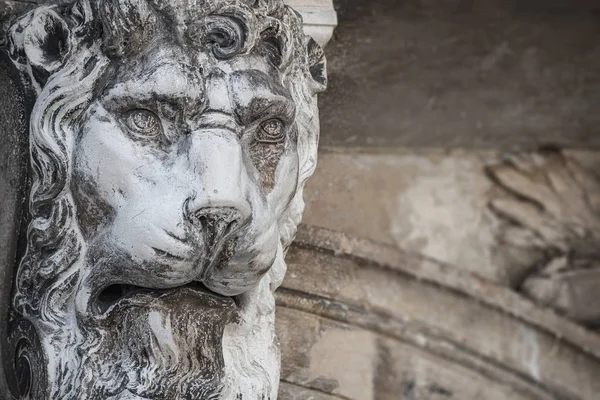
column 46, row 42
column 317, row 65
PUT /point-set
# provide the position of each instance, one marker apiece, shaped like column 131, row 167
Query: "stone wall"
column 505, row 74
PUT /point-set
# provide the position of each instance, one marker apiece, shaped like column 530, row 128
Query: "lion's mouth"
column 118, row 294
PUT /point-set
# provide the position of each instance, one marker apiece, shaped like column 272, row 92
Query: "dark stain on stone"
column 409, row 390
column 385, row 381
column 440, row 391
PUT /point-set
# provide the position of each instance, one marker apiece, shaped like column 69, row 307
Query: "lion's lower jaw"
column 89, row 364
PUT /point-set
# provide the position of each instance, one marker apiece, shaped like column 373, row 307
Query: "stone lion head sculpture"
column 170, row 141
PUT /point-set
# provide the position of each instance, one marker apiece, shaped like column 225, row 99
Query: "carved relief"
column 550, row 235
column 170, row 142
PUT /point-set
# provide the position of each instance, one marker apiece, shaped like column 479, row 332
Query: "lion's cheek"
column 251, row 259
column 286, row 182
column 102, row 167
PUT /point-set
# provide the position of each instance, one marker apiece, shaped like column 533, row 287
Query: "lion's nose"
column 216, row 223
column 219, row 205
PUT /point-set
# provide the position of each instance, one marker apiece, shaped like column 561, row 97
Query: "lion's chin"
column 152, row 343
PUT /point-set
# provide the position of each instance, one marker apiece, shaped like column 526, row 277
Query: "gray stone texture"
column 428, row 202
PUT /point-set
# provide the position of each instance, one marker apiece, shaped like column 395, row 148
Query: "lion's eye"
column 144, row 123
column 271, row 131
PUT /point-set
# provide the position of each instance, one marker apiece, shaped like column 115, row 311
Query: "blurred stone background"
column 500, row 74
column 425, row 96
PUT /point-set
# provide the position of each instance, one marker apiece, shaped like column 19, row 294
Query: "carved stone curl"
column 549, row 239
column 170, row 142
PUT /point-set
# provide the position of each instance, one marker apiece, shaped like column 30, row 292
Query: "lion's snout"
column 220, row 205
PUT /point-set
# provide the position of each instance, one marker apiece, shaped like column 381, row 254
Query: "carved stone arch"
column 388, row 322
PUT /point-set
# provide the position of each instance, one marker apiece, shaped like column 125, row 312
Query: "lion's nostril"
column 112, row 294
column 109, row 296
column 232, row 226
column 216, row 223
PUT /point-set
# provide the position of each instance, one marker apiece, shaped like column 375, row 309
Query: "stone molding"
column 319, row 16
